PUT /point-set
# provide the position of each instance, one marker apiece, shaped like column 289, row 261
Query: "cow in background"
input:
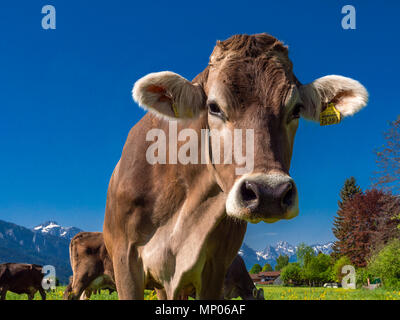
column 21, row 278
column 239, row 284
column 91, row 265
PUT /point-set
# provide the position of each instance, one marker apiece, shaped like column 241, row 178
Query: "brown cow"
column 91, row 266
column 179, row 224
column 21, row 278
column 239, row 284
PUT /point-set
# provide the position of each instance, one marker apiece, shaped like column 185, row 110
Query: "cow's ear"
column 347, row 95
column 169, row 95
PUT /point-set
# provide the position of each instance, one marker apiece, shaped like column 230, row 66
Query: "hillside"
column 20, row 244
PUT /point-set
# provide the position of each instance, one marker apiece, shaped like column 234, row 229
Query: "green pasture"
column 270, row 293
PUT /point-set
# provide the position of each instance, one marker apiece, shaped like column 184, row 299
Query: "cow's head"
column 249, row 84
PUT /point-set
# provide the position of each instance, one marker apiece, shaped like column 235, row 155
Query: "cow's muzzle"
column 263, row 197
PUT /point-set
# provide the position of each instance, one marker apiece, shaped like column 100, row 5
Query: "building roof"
column 269, row 274
column 255, row 276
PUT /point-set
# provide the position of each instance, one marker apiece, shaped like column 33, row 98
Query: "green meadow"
column 270, row 293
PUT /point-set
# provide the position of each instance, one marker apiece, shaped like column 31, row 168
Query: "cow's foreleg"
column 31, row 295
column 129, row 277
column 3, row 293
column 42, row 293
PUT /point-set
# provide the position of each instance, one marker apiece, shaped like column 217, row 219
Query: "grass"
column 318, row 293
column 58, row 293
column 270, row 293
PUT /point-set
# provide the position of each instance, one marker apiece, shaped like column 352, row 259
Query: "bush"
column 267, row 267
column 337, row 268
column 255, row 269
column 362, row 274
column 318, row 270
column 291, row 274
column 386, row 264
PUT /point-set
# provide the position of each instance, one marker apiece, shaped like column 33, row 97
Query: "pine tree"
column 340, row 229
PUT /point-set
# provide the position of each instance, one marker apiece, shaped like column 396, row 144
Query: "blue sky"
column 66, row 105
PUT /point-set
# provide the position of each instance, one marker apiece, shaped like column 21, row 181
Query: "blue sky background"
column 66, row 105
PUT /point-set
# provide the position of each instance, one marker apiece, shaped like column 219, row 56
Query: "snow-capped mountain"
column 284, row 248
column 324, row 248
column 270, row 253
column 46, row 244
column 54, row 229
column 250, row 256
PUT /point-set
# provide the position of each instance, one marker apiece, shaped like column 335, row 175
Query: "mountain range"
column 45, row 244
column 270, row 253
column 48, row 244
column 54, row 229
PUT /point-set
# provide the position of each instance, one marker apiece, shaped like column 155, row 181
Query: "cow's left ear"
column 169, row 95
column 347, row 95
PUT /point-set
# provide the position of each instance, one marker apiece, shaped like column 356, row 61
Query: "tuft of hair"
column 243, row 45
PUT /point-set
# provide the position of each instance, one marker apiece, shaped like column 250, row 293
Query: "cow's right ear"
column 169, row 95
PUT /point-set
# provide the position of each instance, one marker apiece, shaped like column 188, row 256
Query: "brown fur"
column 89, row 261
column 21, row 278
column 166, row 224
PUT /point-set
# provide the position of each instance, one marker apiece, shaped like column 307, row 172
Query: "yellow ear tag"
column 329, row 116
column 175, row 110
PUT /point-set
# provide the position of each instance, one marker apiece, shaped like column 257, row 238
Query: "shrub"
column 255, row 269
column 318, row 270
column 386, row 264
column 267, row 267
column 337, row 268
column 291, row 274
column 362, row 274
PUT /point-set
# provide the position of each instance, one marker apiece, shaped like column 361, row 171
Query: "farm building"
column 265, row 277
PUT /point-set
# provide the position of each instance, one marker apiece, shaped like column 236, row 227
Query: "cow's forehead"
column 267, row 81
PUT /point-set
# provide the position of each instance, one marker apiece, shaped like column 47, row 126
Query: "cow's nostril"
column 248, row 192
column 287, row 199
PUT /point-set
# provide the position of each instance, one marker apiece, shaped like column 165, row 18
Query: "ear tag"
column 175, row 110
column 329, row 116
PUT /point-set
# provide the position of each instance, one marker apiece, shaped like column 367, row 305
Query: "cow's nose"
column 258, row 197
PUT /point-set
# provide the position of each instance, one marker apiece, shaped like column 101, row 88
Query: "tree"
column 387, row 223
column 255, row 269
column 388, row 160
column 281, row 262
column 304, row 254
column 291, row 274
column 369, row 221
column 386, row 264
column 267, row 267
column 340, row 229
column 318, row 270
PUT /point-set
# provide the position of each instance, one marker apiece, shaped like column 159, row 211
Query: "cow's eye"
column 215, row 110
column 295, row 114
